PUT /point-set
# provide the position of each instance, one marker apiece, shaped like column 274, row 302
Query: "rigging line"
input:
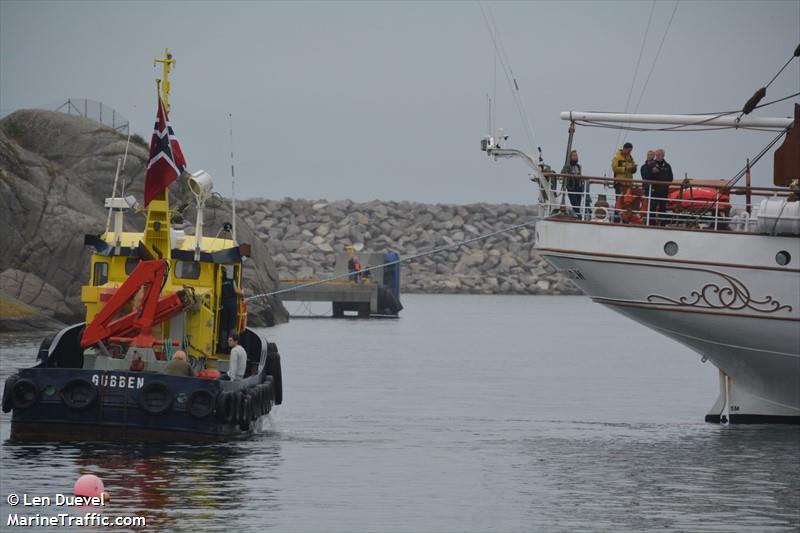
column 733, row 180
column 509, row 73
column 755, row 160
column 402, row 260
column 734, row 111
column 655, row 59
column 638, row 62
column 795, row 54
column 671, row 129
column 776, row 101
column 512, row 80
column 494, row 96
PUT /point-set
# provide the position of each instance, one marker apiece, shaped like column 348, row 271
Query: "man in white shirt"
column 238, row 358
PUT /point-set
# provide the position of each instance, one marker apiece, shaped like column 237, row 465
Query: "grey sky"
column 385, row 100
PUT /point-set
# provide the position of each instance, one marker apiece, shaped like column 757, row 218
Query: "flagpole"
column 233, row 183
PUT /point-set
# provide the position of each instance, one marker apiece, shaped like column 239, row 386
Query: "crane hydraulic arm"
column 136, row 326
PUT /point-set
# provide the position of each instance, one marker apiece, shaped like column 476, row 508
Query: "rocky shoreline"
column 304, row 237
column 56, row 169
column 55, row 173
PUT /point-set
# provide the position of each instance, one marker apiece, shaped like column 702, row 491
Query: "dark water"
column 469, row 413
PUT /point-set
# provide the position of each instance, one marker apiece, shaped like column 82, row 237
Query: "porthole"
column 783, row 258
column 671, row 248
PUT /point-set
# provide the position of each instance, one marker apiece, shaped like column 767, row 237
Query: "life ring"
column 79, row 394
column 156, row 398
column 200, row 403
column 8, row 403
column 224, row 407
column 273, row 368
column 633, row 206
column 24, row 394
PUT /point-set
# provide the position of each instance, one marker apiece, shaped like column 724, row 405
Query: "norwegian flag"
column 166, row 158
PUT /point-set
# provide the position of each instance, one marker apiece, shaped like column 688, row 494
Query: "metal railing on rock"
column 84, row 107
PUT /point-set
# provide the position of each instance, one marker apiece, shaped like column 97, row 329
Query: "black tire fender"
column 266, row 387
column 255, row 405
column 200, row 403
column 246, row 409
column 79, row 394
column 224, row 407
column 265, row 398
column 8, row 403
column 257, row 397
column 237, row 406
column 24, row 394
column 156, row 397
column 273, row 368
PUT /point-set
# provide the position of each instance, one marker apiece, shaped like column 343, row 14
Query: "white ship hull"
column 722, row 294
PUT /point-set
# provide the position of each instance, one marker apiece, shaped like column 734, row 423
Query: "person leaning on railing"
column 577, row 196
column 624, row 167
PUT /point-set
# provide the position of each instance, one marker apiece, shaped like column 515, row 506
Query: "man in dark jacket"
column 646, row 169
column 660, row 171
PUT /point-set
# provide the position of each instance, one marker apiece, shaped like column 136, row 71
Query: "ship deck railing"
column 730, row 208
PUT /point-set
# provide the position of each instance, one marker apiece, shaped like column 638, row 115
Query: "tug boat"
column 151, row 294
column 719, row 278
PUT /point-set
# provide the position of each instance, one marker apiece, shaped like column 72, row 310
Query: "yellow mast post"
column 156, row 236
column 167, row 61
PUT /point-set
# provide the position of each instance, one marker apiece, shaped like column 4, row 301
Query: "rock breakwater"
column 304, row 237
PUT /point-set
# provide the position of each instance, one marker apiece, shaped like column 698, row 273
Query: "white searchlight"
column 201, row 185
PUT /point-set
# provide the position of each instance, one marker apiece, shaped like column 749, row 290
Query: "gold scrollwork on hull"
column 733, row 296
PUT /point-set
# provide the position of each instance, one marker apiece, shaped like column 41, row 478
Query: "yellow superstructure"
column 197, row 329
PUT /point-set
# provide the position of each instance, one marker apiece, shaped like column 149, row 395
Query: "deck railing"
column 692, row 203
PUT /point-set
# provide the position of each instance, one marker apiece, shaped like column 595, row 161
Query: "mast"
column 157, row 228
column 167, row 61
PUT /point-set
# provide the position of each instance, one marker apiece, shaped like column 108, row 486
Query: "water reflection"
column 429, row 423
column 207, row 484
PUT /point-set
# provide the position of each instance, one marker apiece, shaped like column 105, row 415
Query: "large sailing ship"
column 719, row 271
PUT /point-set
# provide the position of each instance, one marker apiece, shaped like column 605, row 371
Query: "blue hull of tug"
column 118, row 409
column 83, row 404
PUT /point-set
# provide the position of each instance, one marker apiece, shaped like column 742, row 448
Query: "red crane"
column 136, row 327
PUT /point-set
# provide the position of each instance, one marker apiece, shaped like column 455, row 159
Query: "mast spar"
column 679, row 120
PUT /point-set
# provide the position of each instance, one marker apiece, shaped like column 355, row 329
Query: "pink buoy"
column 89, row 485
